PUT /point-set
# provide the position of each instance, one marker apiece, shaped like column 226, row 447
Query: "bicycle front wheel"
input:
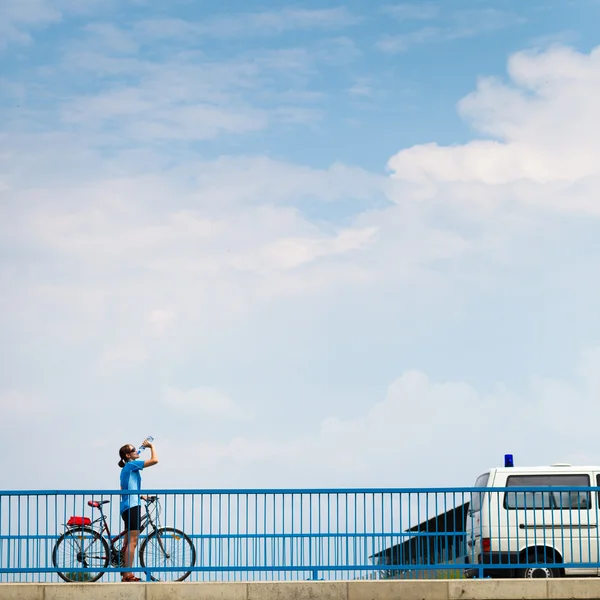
column 81, row 548
column 168, row 548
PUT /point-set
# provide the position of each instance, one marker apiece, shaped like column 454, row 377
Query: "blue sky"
column 299, row 244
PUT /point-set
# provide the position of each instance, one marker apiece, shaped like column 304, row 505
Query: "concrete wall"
column 511, row 589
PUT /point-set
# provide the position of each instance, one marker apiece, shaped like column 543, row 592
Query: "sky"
column 305, row 244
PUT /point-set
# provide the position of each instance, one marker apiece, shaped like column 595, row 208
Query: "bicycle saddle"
column 95, row 504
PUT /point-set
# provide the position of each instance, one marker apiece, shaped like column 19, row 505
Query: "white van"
column 530, row 533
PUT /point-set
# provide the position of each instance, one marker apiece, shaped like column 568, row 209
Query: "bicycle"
column 89, row 544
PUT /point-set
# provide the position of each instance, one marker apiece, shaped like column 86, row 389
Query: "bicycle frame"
column 112, row 540
column 103, row 529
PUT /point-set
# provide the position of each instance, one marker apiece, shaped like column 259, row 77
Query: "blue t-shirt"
column 131, row 479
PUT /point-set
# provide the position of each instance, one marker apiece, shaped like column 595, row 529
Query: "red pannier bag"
column 78, row 521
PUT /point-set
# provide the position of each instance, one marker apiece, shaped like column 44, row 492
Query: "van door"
column 564, row 520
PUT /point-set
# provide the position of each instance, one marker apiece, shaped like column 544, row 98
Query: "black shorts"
column 132, row 518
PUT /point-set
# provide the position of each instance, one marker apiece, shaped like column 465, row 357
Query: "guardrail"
column 250, row 535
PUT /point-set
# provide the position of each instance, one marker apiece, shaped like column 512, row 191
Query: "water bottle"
column 142, row 448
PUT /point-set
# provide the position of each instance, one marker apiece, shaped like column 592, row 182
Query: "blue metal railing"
column 239, row 535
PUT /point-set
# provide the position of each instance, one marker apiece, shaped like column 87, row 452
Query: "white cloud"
column 145, row 116
column 458, row 25
column 111, row 38
column 16, row 18
column 401, row 43
column 122, row 356
column 160, row 319
column 475, row 21
column 185, row 95
column 143, row 268
column 422, row 433
column 204, row 400
column 422, row 11
column 546, row 108
column 217, row 240
column 150, row 258
column 361, row 90
column 293, row 252
column 251, row 23
column 190, row 96
column 211, row 226
column 18, row 407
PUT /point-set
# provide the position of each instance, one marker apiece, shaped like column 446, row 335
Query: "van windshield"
column 482, row 481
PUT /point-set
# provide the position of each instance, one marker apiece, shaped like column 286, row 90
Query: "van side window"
column 481, row 482
column 548, row 500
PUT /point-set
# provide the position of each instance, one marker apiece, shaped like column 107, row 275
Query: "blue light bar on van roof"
column 508, row 460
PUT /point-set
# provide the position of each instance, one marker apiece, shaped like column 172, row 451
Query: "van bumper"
column 495, row 564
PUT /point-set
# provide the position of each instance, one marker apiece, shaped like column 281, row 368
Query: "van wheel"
column 538, row 572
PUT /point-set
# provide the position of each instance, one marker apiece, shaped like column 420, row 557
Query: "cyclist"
column 131, row 511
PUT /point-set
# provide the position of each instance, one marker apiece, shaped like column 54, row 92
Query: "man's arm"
column 153, row 457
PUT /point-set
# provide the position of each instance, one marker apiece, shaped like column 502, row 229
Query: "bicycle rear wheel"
column 168, row 548
column 81, row 548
